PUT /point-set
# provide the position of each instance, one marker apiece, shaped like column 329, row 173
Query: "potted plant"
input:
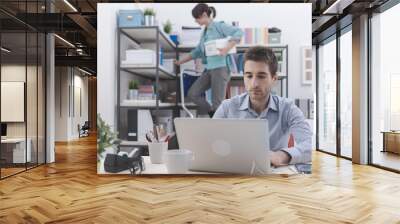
column 133, row 89
column 168, row 27
column 149, row 17
column 107, row 140
column 168, row 30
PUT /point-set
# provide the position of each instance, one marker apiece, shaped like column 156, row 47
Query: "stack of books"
column 236, row 90
column 236, row 65
column 256, row 36
column 146, row 92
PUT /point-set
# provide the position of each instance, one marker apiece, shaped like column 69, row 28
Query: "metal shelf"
column 149, row 72
column 146, row 104
column 133, row 143
column 151, row 35
column 240, row 77
column 148, row 34
column 239, row 47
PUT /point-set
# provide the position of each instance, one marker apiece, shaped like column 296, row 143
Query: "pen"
column 159, row 134
column 151, row 135
column 147, row 137
column 155, row 132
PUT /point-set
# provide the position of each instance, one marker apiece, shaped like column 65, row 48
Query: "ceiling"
column 77, row 23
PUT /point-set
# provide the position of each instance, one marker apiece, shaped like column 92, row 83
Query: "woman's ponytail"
column 212, row 11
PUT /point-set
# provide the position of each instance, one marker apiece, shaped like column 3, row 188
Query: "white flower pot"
column 149, row 20
column 133, row 94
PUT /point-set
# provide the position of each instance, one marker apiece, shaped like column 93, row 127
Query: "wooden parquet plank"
column 70, row 191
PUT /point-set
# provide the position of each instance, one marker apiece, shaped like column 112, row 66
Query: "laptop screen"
column 3, row 129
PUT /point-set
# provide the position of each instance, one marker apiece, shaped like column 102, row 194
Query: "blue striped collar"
column 245, row 102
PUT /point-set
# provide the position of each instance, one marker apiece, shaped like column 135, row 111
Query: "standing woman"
column 216, row 74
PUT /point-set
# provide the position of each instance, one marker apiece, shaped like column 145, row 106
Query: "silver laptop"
column 226, row 145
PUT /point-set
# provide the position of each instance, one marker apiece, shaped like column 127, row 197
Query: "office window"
column 22, row 91
column 13, row 109
column 346, row 94
column 385, row 89
column 327, row 96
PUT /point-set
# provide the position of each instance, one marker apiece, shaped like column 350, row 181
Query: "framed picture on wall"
column 307, row 65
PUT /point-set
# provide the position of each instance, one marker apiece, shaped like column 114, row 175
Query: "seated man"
column 260, row 67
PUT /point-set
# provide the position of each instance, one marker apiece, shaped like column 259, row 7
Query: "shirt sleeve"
column 196, row 52
column 222, row 111
column 301, row 131
column 234, row 32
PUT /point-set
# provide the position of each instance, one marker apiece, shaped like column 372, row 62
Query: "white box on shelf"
column 190, row 35
column 140, row 56
column 169, row 65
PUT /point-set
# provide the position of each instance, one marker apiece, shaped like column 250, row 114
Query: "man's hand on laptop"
column 280, row 158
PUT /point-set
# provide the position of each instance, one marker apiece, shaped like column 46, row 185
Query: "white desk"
column 19, row 149
column 161, row 169
column 151, row 168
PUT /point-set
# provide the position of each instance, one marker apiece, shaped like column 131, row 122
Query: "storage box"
column 130, row 18
column 140, row 57
column 274, row 38
column 169, row 65
column 212, row 47
column 190, row 36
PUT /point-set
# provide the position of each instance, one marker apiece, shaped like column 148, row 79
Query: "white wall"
column 80, row 118
column 390, row 47
column 50, row 96
column 66, row 120
column 385, row 61
column 293, row 19
column 61, row 103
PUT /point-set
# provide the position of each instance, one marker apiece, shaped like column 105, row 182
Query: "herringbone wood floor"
column 70, row 191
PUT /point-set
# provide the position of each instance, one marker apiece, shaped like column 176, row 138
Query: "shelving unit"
column 241, row 48
column 150, row 35
column 149, row 72
column 153, row 36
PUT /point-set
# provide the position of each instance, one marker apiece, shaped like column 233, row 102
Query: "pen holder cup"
column 157, row 151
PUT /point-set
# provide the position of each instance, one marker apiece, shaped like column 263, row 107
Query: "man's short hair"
column 262, row 54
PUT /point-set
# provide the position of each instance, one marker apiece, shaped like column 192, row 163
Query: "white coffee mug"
column 178, row 161
column 157, row 151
